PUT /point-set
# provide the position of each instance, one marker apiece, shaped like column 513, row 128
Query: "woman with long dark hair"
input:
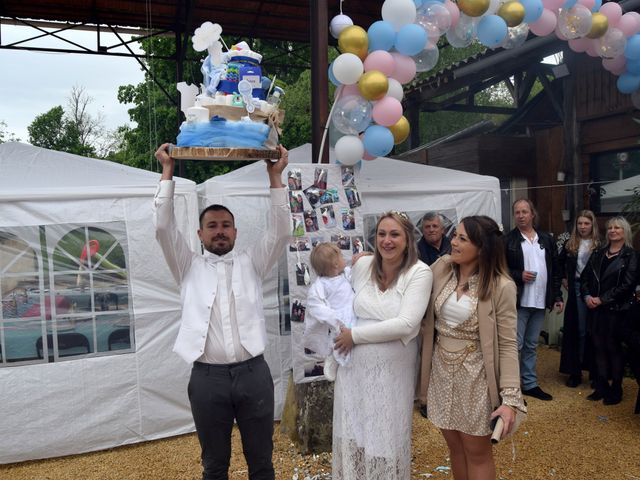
column 470, row 372
column 607, row 284
column 575, row 253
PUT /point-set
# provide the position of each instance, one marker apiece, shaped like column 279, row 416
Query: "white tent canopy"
column 106, row 398
column 617, row 194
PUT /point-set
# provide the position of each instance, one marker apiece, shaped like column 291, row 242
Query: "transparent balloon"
column 574, row 22
column 516, row 36
column 466, row 29
column 434, row 15
column 352, row 114
column 427, row 58
column 612, row 43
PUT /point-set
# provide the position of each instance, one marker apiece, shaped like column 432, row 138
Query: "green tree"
column 6, row 136
column 54, row 131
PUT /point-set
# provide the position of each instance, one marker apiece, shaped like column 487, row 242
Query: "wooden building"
column 562, row 149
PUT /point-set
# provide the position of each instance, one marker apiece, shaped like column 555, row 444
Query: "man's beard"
column 219, row 250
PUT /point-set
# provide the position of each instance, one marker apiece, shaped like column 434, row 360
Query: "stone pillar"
column 308, row 415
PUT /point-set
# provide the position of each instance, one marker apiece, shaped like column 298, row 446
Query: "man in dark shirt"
column 434, row 242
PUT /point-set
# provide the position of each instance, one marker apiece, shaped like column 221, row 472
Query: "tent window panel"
column 65, row 293
column 20, row 338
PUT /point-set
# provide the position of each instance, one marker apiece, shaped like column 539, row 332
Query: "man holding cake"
column 223, row 330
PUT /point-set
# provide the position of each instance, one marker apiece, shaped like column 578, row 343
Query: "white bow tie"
column 215, row 259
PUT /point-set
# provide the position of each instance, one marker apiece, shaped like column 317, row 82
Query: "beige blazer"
column 497, row 318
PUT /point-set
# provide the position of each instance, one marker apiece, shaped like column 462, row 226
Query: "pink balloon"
column 405, row 68
column 380, row 60
column 454, row 11
column 613, row 12
column 628, row 24
column 552, row 4
column 592, row 48
column 616, row 63
column 579, row 45
column 347, row 90
column 587, row 3
column 545, row 24
column 619, row 71
column 387, row 111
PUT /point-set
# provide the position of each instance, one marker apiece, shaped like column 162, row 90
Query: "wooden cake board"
column 222, row 154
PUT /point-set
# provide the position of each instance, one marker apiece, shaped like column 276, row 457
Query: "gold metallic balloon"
column 599, row 25
column 473, row 8
column 511, row 12
column 354, row 39
column 373, row 85
column 400, row 130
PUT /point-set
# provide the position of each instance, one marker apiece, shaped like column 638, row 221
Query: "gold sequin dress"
column 458, row 396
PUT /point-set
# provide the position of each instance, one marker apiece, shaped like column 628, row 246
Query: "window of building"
column 65, row 293
column 614, row 176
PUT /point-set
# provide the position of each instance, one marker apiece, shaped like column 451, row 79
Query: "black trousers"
column 221, row 393
column 608, row 333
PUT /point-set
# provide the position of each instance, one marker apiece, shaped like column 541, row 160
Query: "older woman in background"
column 607, row 284
column 470, row 373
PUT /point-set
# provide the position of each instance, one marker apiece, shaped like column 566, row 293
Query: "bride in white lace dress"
column 373, row 396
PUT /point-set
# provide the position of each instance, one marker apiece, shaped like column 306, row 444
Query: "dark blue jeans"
column 221, row 393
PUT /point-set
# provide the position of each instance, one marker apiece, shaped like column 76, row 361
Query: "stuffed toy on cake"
column 235, row 106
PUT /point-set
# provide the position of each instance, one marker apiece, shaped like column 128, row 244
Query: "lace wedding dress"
column 373, row 402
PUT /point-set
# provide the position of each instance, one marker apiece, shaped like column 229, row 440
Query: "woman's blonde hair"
column 410, row 253
column 573, row 244
column 626, row 228
column 323, row 257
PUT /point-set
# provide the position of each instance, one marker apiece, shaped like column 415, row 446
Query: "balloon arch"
column 374, row 64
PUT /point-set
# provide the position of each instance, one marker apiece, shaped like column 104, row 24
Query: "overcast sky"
column 32, row 83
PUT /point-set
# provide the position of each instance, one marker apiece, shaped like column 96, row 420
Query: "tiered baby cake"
column 235, row 108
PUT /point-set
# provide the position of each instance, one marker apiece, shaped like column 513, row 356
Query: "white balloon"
column 399, row 12
column 494, row 5
column 347, row 68
column 574, row 22
column 349, row 150
column 339, row 23
column 516, row 36
column 395, row 89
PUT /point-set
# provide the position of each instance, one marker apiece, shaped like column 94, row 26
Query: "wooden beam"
column 552, row 98
column 459, row 107
column 319, row 78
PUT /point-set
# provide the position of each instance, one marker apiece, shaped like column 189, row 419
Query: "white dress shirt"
column 222, row 317
column 533, row 293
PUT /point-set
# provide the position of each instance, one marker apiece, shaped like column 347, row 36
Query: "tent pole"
column 319, row 19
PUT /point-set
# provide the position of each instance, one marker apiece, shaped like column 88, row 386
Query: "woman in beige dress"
column 469, row 367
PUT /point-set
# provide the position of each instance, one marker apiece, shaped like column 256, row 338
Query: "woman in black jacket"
column 607, row 282
column 576, row 353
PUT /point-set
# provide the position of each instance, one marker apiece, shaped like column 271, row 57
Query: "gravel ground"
column 569, row 438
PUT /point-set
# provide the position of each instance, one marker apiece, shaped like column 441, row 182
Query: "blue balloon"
column 377, row 140
column 411, row 39
column 632, row 49
column 332, row 77
column 569, row 4
column 532, row 10
column 633, row 66
column 492, row 30
column 628, row 83
column 597, row 6
column 381, row 36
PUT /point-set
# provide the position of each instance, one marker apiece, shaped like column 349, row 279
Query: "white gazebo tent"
column 105, row 398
